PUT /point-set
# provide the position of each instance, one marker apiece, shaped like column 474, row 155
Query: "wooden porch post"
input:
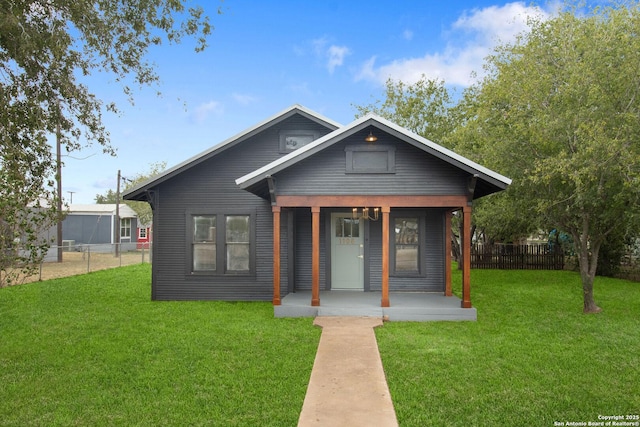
column 276, row 254
column 466, row 258
column 447, row 254
column 315, row 256
column 385, row 256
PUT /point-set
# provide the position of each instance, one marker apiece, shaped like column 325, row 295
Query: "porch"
column 404, row 306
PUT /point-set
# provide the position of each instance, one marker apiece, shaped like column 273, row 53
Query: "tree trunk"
column 589, row 304
column 588, row 262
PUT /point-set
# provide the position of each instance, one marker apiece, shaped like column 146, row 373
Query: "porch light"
column 365, row 214
column 371, row 137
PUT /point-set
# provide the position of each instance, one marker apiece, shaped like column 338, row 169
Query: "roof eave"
column 139, row 192
column 252, row 178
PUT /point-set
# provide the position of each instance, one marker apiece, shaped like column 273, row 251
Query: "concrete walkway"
column 347, row 385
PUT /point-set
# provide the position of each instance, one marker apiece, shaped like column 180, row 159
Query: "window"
column 204, row 243
column 370, row 159
column 142, row 233
column 237, row 243
column 291, row 140
column 406, row 246
column 347, row 227
column 221, row 244
column 125, row 227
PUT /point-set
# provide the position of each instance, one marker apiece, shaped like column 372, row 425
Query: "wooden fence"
column 517, row 257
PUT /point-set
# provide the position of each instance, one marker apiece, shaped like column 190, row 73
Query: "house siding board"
column 209, row 187
column 88, row 229
column 432, row 241
column 303, row 250
column 325, row 173
column 375, row 256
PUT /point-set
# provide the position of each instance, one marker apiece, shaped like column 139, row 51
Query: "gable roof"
column 488, row 180
column 138, row 192
column 101, row 209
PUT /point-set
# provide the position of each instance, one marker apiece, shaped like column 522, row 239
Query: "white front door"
column 347, row 252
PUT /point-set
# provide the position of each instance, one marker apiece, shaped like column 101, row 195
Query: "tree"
column 427, row 107
column 424, row 107
column 47, row 48
column 107, row 198
column 142, row 209
column 559, row 112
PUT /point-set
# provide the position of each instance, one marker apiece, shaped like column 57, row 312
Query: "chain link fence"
column 85, row 258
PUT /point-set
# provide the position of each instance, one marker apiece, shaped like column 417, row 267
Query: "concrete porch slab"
column 405, row 306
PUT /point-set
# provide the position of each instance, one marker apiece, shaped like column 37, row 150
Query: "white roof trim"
column 102, row 209
column 445, row 151
column 265, row 171
column 231, row 140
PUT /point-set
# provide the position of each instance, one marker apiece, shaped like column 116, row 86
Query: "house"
column 301, row 204
column 95, row 225
column 144, row 233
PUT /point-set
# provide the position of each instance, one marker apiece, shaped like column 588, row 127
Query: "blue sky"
column 265, row 56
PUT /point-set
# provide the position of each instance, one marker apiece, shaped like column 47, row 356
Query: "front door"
column 347, row 252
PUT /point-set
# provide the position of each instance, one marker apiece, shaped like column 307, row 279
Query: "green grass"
column 94, row 350
column 532, row 358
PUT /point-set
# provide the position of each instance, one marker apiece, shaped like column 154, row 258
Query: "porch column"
column 385, row 256
column 466, row 257
column 447, row 254
column 276, row 254
column 315, row 256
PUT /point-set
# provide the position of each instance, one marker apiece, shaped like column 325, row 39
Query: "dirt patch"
column 74, row 263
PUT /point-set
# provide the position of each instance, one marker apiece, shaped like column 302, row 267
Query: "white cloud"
column 336, row 56
column 407, row 35
column 333, row 54
column 244, row 99
column 470, row 39
column 204, row 110
column 301, row 88
column 497, row 24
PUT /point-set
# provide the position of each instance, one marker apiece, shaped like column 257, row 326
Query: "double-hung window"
column 237, row 242
column 407, row 252
column 221, row 244
column 125, row 227
column 204, row 243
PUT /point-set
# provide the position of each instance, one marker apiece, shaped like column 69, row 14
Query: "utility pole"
column 59, row 190
column 71, row 193
column 117, row 224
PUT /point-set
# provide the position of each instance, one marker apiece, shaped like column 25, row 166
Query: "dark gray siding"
column 303, row 250
column 431, row 279
column 416, row 172
column 87, row 229
column 209, row 187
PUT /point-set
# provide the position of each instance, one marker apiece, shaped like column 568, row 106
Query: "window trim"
column 361, row 148
column 422, row 263
column 227, row 244
column 124, row 227
column 221, row 248
column 288, row 133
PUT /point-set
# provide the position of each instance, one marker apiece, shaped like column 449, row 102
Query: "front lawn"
column 532, row 358
column 93, row 350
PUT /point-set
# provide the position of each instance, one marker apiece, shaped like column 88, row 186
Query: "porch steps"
column 350, row 311
column 405, row 306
